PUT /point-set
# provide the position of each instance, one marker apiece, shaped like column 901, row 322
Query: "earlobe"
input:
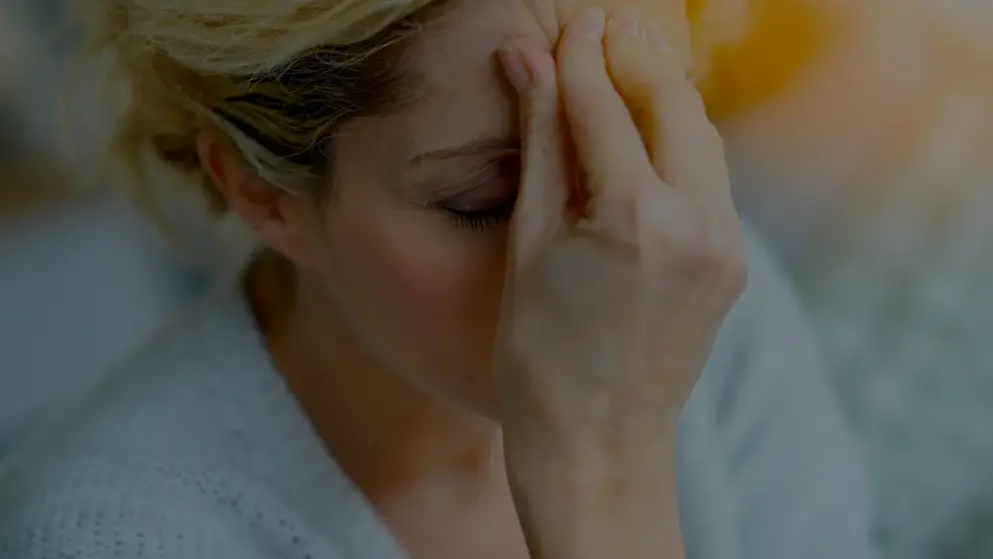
column 261, row 206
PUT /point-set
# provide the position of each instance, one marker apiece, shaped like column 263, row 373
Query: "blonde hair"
column 274, row 77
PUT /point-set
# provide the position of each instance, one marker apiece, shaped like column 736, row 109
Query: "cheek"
column 436, row 271
column 415, row 282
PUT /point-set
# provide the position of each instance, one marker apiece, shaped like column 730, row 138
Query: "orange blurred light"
column 781, row 39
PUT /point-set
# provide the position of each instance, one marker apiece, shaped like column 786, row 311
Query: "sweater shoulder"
column 161, row 459
column 174, row 392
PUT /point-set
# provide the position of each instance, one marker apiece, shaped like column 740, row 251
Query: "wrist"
column 590, row 465
column 581, row 431
column 581, row 502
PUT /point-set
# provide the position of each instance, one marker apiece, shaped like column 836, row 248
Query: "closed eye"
column 488, row 198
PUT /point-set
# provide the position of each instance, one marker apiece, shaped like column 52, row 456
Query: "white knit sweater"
column 195, row 449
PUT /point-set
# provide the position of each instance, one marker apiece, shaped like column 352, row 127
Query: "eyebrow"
column 474, row 147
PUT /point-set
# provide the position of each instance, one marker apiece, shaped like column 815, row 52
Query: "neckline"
column 318, row 487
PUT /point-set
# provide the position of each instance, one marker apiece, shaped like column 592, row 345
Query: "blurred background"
column 871, row 175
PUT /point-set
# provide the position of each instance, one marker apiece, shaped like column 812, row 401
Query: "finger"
column 608, row 143
column 685, row 148
column 545, row 174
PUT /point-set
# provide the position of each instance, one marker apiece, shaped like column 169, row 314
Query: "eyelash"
column 482, row 220
column 506, row 171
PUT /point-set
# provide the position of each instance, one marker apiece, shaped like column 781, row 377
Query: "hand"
column 617, row 284
column 610, row 312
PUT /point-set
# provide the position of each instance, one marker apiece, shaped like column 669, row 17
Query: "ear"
column 279, row 219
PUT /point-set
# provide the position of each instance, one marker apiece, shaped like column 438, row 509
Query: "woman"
column 384, row 385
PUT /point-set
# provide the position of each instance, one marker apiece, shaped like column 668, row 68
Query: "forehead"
column 460, row 43
column 475, row 24
column 462, row 94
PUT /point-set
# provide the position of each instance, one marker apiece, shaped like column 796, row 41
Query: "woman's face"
column 412, row 244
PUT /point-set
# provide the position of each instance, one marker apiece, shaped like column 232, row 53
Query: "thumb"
column 546, row 176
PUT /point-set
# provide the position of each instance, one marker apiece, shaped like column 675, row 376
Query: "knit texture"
column 195, row 449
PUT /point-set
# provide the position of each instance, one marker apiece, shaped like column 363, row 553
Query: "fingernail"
column 591, row 24
column 657, row 38
column 626, row 22
column 516, row 69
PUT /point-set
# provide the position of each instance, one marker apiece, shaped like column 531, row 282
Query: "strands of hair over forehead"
column 292, row 110
column 274, row 78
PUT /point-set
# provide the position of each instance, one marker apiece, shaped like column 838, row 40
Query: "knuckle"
column 709, row 136
column 713, row 141
column 708, row 145
column 668, row 75
column 647, row 211
column 712, row 249
column 633, row 73
column 630, row 208
column 703, row 247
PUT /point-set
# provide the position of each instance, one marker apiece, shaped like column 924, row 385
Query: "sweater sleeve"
column 794, row 465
